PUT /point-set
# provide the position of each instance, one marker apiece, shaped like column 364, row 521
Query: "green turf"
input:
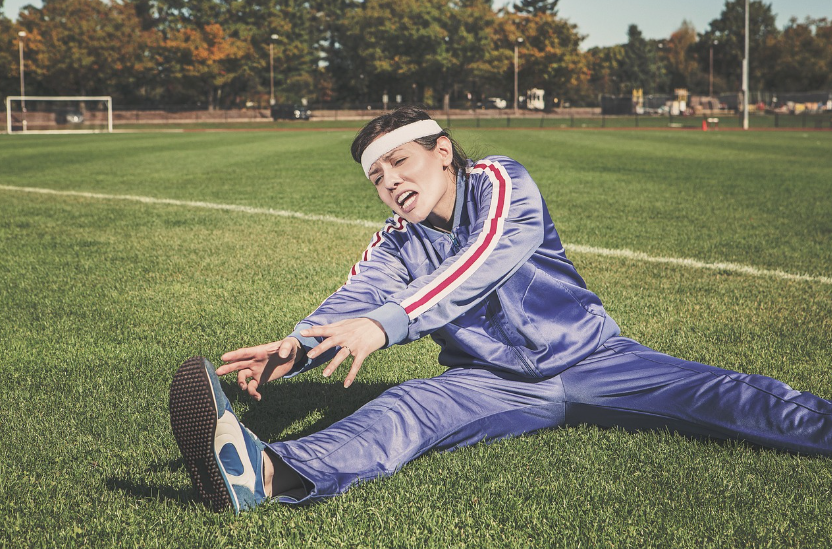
column 103, row 299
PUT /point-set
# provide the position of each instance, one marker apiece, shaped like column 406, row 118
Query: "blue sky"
column 605, row 22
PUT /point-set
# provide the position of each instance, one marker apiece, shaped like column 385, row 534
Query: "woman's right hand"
column 260, row 364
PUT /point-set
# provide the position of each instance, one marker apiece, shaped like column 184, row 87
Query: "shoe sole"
column 193, row 418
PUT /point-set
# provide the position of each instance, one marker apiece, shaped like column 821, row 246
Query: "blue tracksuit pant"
column 623, row 384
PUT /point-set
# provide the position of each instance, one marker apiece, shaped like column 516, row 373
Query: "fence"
column 458, row 118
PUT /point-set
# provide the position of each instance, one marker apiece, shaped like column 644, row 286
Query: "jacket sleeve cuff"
column 306, row 345
column 393, row 320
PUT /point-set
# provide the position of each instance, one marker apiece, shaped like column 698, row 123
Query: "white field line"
column 196, row 204
column 626, row 254
column 694, row 264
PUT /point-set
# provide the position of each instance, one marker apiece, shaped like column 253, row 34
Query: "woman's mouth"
column 407, row 200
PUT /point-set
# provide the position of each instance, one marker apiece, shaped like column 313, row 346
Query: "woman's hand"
column 358, row 337
column 257, row 365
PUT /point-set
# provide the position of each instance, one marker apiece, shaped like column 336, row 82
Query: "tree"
column 605, row 69
column 729, row 33
column 237, row 36
column 306, row 32
column 534, row 7
column 550, row 58
column 637, row 68
column 83, row 47
column 198, row 60
column 683, row 66
column 803, row 59
column 415, row 48
column 9, row 63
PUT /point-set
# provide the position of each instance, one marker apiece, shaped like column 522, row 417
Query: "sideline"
column 579, row 248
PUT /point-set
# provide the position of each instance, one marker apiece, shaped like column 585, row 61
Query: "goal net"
column 47, row 114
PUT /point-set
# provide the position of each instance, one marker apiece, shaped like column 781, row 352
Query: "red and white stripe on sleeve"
column 478, row 253
column 398, row 224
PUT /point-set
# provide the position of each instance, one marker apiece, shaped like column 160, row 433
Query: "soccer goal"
column 55, row 114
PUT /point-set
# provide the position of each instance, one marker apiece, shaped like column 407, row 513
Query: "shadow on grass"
column 138, row 487
column 282, row 405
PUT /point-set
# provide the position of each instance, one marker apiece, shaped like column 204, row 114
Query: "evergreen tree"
column 534, row 7
column 803, row 57
column 637, row 69
column 727, row 35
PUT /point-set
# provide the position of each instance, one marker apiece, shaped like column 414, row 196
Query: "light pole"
column 711, row 80
column 516, row 45
column 271, row 68
column 659, row 46
column 745, row 75
column 20, row 36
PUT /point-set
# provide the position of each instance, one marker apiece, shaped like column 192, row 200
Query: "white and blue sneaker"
column 224, row 459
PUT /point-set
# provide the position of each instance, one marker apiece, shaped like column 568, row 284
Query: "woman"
column 471, row 257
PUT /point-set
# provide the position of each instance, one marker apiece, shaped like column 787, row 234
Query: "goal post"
column 59, row 114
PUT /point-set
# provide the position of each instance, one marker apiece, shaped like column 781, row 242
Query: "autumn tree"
column 83, row 47
column 682, row 65
column 197, row 60
column 549, row 57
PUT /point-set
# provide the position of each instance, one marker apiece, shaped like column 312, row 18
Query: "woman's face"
column 416, row 183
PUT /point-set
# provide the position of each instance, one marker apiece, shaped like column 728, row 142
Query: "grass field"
column 101, row 300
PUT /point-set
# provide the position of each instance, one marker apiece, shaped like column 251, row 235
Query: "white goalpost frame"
column 108, row 99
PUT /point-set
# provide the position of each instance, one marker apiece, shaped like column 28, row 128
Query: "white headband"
column 396, row 138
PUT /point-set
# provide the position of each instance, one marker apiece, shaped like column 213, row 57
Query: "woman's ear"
column 445, row 150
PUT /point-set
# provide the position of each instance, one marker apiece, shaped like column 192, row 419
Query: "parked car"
column 290, row 112
column 493, row 103
column 69, row 117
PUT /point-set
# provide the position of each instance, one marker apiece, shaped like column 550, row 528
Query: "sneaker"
column 224, row 459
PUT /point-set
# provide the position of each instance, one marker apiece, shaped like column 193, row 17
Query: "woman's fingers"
column 242, row 377
column 287, row 346
column 356, row 365
column 251, row 388
column 339, row 358
column 235, row 367
column 322, row 347
column 246, row 353
column 336, row 361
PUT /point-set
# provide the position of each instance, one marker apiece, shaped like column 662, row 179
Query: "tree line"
column 216, row 53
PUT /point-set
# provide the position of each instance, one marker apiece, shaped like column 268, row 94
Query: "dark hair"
column 393, row 120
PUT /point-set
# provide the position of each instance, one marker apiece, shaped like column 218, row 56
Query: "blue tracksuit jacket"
column 496, row 292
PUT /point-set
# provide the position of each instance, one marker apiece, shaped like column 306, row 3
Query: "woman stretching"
column 470, row 257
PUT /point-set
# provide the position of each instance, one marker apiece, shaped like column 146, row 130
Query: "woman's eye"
column 377, row 181
column 399, row 161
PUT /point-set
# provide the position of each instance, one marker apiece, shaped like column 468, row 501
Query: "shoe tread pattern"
column 193, row 419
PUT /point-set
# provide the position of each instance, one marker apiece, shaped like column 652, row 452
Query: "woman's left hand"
column 358, row 337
